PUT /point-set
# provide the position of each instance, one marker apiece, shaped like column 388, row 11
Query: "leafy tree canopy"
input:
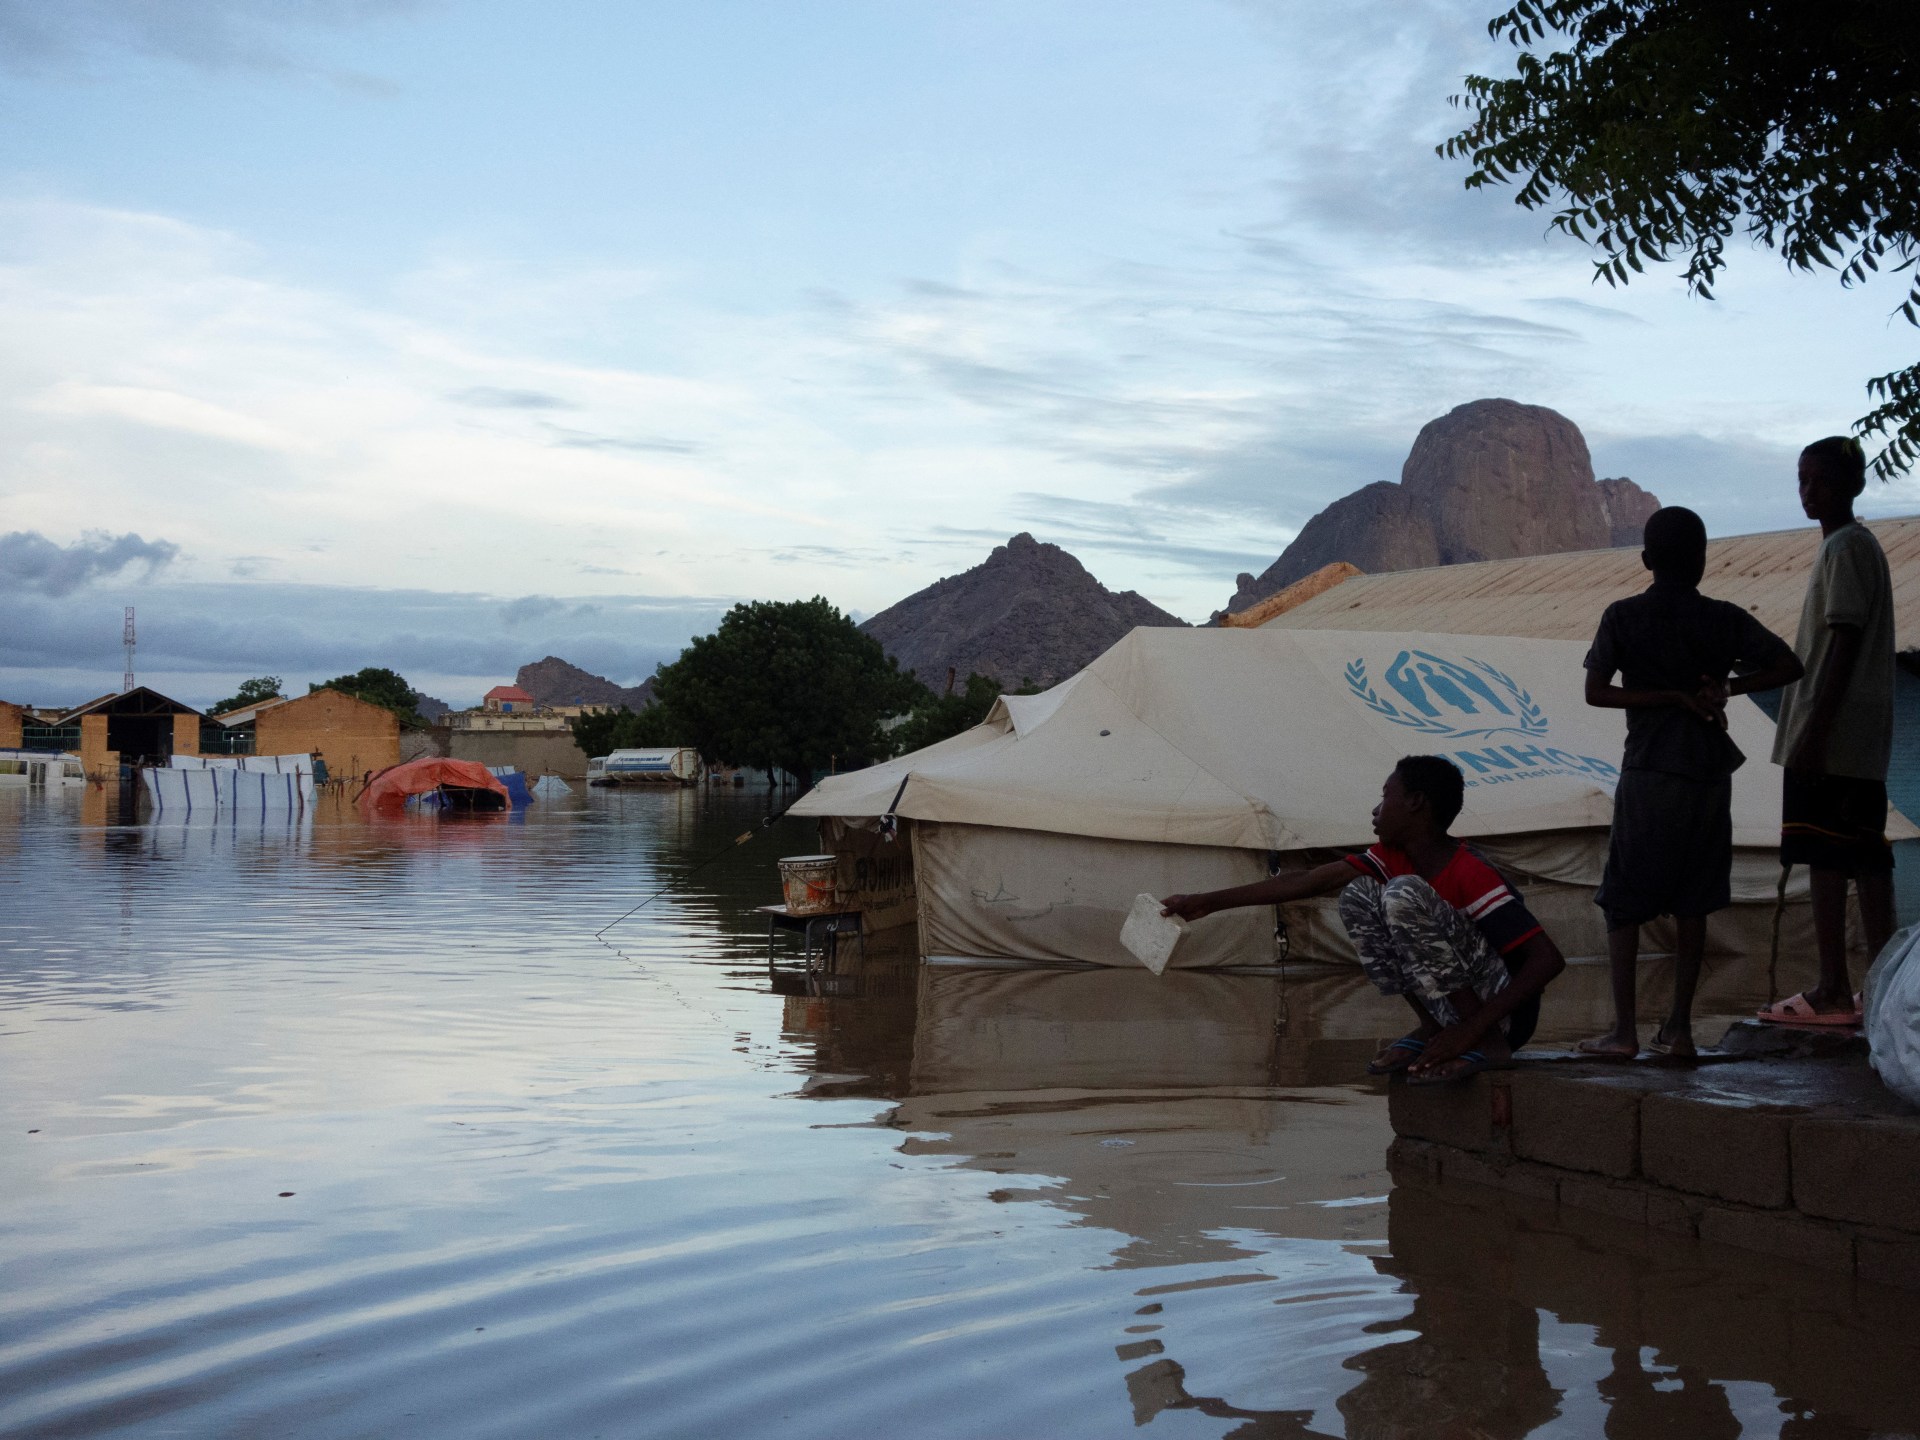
column 251, row 692
column 601, row 732
column 788, row 685
column 1662, row 126
column 379, row 686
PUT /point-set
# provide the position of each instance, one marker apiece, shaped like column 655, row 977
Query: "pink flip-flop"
column 1797, row 1010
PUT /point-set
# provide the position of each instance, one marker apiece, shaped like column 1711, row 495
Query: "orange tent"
column 388, row 791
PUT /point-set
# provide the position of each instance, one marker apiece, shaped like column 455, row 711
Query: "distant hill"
column 1488, row 480
column 553, row 681
column 1028, row 613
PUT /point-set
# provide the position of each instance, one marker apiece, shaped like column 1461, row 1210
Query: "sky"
column 449, row 334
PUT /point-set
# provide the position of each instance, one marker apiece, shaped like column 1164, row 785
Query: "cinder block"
column 1413, row 1162
column 1460, row 1116
column 1672, row 1213
column 1888, row 1258
column 1863, row 1170
column 1621, row 1201
column 1513, row 1176
column 1809, row 1243
column 1577, row 1122
column 1719, row 1148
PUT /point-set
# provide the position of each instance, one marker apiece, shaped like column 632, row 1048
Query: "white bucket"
column 807, row 884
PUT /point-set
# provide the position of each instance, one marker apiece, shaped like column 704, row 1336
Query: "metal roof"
column 1560, row 597
column 138, row 701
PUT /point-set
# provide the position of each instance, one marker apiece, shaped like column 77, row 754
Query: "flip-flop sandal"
column 1666, row 1049
column 1798, row 1010
column 1409, row 1044
column 1475, row 1063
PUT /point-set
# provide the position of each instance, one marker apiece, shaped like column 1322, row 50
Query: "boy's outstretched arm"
column 1540, row 961
column 1275, row 890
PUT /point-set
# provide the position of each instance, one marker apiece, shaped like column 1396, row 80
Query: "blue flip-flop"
column 1410, row 1044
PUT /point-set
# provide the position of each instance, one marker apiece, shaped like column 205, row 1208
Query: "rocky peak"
column 554, row 681
column 1029, row 612
column 1488, row 480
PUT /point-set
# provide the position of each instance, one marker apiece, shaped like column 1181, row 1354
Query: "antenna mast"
column 126, row 680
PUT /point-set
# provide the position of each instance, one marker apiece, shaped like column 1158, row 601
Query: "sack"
column 1891, row 1000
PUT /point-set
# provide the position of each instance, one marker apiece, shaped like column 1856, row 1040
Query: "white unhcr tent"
column 1187, row 759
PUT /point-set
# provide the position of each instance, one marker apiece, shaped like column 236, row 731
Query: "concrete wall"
column 11, row 720
column 354, row 736
column 535, row 752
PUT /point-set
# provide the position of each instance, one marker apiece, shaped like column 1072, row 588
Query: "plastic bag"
column 1891, row 999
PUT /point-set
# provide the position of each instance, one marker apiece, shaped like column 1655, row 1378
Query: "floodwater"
column 331, row 1129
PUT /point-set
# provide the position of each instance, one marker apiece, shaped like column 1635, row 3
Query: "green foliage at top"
column 379, row 686
column 782, row 685
column 1659, row 127
column 601, row 732
column 941, row 717
column 251, row 692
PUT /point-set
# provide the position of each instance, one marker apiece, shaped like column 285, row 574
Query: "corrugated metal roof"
column 1560, row 597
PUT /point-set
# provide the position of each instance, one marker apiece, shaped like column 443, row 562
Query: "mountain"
column 1486, row 481
column 553, row 681
column 1028, row 613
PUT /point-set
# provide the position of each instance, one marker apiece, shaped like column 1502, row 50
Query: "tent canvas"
column 1183, row 759
column 387, row 793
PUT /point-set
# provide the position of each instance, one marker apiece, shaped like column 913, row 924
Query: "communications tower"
column 126, row 680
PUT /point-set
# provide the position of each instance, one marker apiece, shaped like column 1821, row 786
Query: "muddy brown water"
column 335, row 1129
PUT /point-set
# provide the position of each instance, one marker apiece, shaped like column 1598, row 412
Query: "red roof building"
column 510, row 700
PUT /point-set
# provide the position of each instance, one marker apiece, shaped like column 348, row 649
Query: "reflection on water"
column 320, row 1128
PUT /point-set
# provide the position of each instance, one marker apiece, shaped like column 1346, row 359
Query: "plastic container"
column 806, row 882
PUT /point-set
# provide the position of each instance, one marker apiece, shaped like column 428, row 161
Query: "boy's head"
column 1420, row 799
column 1676, row 545
column 1833, row 472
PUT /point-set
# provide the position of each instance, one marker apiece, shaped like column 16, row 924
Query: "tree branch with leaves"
column 1659, row 128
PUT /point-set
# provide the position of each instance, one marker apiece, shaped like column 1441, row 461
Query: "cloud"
column 208, row 34
column 492, row 397
column 206, row 637
column 32, row 563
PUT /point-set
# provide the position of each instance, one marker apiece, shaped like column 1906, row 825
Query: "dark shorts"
column 1835, row 822
column 1671, row 850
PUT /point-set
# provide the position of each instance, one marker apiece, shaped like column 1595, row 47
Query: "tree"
column 787, row 685
column 1664, row 125
column 601, row 732
column 379, row 686
column 251, row 692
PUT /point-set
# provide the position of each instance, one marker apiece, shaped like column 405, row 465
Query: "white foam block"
column 1150, row 936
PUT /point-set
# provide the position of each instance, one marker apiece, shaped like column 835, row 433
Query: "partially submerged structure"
column 137, row 726
column 458, row 784
column 1187, row 760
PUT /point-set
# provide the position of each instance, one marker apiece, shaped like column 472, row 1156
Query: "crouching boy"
column 1432, row 921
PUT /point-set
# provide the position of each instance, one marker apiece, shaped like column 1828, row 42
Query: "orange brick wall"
column 186, row 734
column 10, row 723
column 99, row 761
column 353, row 736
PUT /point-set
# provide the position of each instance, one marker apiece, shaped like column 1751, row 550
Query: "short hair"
column 1843, row 458
column 1675, row 539
column 1438, row 780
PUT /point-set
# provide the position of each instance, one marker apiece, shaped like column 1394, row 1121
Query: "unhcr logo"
column 1442, row 697
column 1446, row 699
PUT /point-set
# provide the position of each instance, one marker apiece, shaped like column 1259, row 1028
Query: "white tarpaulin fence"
column 1180, row 759
column 245, row 783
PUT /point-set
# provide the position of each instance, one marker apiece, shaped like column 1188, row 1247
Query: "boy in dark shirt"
column 1671, row 851
column 1431, row 921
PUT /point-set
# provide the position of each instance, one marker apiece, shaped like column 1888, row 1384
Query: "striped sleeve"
column 1500, row 914
column 1368, row 864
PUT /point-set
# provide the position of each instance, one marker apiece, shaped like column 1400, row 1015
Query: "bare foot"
column 1611, row 1046
column 1400, row 1054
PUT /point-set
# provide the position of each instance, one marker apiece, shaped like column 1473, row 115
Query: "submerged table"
column 825, row 928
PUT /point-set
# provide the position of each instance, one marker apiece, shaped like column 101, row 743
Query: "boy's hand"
column 1186, row 907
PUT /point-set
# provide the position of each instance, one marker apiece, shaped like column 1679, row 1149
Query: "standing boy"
column 1432, row 921
column 1671, row 851
column 1836, row 732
